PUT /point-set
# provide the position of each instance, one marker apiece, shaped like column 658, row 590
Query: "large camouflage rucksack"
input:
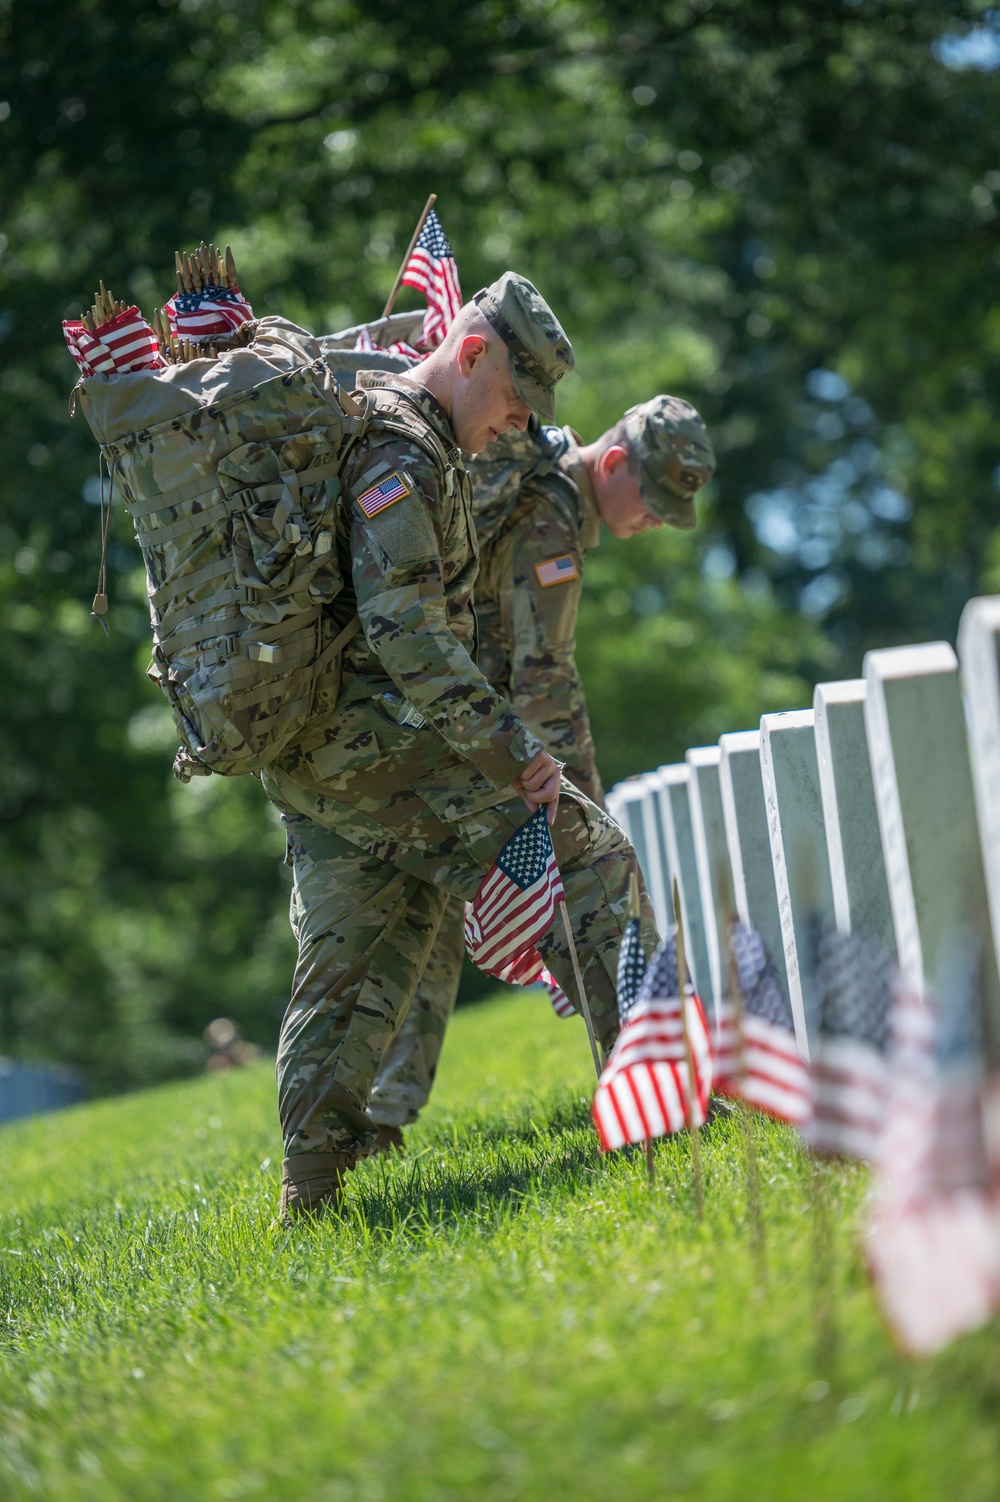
column 499, row 472
column 230, row 468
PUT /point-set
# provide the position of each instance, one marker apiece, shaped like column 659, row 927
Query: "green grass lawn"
column 505, row 1313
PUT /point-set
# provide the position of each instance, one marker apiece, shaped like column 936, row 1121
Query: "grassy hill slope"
column 504, row 1314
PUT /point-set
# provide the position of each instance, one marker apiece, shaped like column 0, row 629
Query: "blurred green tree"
column 784, row 213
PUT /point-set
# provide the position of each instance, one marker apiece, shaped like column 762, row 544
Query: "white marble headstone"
column 797, row 834
column 749, row 845
column 712, row 855
column 675, row 812
column 927, row 815
column 854, row 846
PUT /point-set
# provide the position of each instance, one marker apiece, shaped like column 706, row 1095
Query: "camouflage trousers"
column 366, row 920
column 404, row 1082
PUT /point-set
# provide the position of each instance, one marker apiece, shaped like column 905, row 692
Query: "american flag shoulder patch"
column 386, row 493
column 557, row 570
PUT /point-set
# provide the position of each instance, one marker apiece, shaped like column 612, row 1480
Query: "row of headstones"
column 879, row 808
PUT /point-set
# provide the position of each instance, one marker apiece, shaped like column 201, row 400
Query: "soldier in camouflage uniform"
column 404, row 792
column 540, row 499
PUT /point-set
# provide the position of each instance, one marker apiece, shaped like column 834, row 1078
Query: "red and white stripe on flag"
column 124, row 344
column 561, row 1004
column 432, row 270
column 644, row 1087
column 772, row 1075
column 211, row 313
column 933, row 1240
column 849, row 1095
column 515, row 905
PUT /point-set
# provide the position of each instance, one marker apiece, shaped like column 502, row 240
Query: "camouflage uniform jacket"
column 409, row 558
column 527, row 599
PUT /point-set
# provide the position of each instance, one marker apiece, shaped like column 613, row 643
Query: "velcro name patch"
column 557, row 570
column 386, row 493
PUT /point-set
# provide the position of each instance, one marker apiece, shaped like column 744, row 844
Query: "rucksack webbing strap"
column 196, row 521
column 231, row 595
column 182, row 636
column 183, row 586
column 178, row 494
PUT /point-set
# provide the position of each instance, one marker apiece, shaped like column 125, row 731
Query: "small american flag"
column 124, row 344
column 631, row 969
column 764, row 1067
column 557, row 571
column 515, row 905
column 207, row 314
column 644, row 1089
column 385, row 493
column 855, row 976
column 431, row 270
column 934, row 1234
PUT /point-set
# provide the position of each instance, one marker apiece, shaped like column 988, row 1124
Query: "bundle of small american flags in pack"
column 113, row 338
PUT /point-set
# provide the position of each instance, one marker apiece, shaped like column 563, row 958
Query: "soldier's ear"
column 612, row 461
column 470, row 352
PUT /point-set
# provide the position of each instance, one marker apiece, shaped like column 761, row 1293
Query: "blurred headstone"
column 854, row 846
column 674, row 796
column 712, row 856
column 745, row 814
column 930, row 835
column 797, row 833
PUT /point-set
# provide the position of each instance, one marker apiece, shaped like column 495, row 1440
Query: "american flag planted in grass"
column 934, row 1233
column 432, row 270
column 122, row 345
column 210, row 313
column 631, row 969
column 765, row 1067
column 855, row 976
column 644, row 1089
column 515, row 905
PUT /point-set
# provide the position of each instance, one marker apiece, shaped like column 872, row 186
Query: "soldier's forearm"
column 408, row 632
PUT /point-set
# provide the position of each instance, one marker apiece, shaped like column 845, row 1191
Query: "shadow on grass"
column 540, row 1164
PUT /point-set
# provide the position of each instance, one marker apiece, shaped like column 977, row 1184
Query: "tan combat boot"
column 312, row 1185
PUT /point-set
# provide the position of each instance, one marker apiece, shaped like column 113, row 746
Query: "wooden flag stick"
column 689, row 1055
column 390, row 303
column 584, row 1004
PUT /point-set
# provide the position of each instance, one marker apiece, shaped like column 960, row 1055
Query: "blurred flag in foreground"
column 855, row 976
column 757, row 1057
column 515, row 905
column 644, row 1089
column 123, row 344
column 934, row 1234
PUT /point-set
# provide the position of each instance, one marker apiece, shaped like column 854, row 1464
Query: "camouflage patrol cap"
column 540, row 353
column 675, row 457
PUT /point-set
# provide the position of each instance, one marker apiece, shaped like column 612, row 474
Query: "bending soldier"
column 403, row 794
column 540, row 499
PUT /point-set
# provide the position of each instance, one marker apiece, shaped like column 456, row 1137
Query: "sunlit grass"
column 503, row 1313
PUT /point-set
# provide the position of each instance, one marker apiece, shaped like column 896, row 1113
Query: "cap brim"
column 677, row 511
column 538, row 397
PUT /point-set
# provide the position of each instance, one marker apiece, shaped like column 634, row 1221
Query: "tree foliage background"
column 783, row 212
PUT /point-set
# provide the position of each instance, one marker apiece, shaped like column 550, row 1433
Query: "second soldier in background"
column 540, row 500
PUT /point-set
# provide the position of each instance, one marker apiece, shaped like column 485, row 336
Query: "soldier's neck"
column 434, row 376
